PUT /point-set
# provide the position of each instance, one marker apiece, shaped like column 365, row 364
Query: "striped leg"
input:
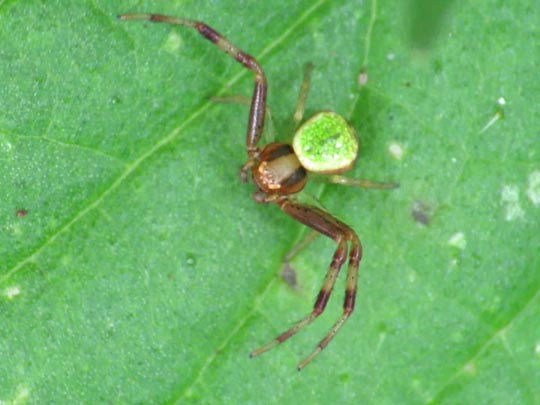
column 323, row 222
column 258, row 99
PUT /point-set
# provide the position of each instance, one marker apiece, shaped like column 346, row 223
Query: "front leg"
column 323, row 222
column 257, row 110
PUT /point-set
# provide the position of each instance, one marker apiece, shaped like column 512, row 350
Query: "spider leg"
column 321, row 221
column 356, row 182
column 310, row 237
column 302, row 97
column 258, row 99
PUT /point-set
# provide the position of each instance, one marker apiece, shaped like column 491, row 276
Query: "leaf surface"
column 136, row 268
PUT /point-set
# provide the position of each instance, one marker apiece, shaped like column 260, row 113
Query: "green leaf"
column 136, row 268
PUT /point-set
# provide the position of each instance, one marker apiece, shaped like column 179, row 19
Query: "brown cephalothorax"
column 278, row 170
column 325, row 143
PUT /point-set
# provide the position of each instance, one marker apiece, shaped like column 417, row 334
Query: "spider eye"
column 326, row 143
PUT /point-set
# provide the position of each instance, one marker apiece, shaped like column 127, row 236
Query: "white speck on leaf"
column 492, row 121
column 396, row 150
column 510, row 198
column 173, row 42
column 469, row 368
column 362, row 79
column 12, row 292
column 5, row 146
column 533, row 190
column 458, row 240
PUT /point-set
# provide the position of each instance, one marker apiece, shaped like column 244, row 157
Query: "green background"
column 144, row 272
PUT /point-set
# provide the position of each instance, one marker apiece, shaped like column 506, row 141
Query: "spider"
column 325, row 144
